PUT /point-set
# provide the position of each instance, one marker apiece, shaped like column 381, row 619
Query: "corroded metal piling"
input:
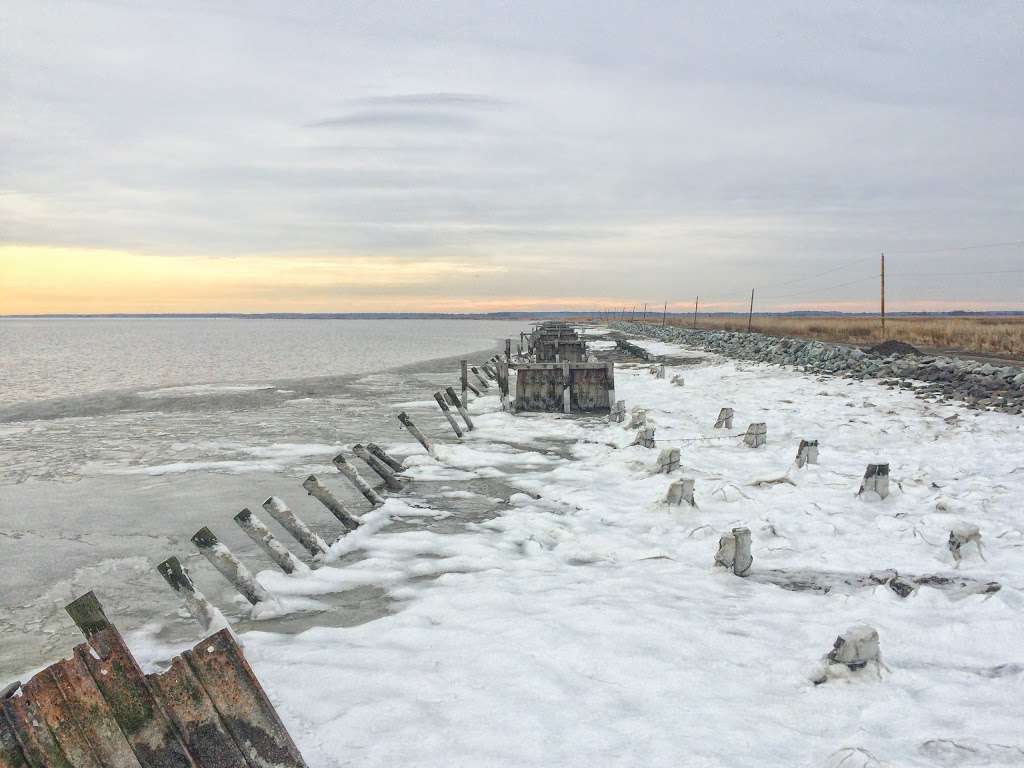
column 428, row 446
column 357, row 480
column 287, row 519
column 379, row 466
column 264, row 539
column 448, row 414
column 97, row 709
column 460, row 406
column 229, row 566
column 176, row 575
column 319, row 491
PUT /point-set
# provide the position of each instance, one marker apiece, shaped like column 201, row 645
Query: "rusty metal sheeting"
column 98, row 710
column 542, row 387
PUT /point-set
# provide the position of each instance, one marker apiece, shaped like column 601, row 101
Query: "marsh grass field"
column 995, row 336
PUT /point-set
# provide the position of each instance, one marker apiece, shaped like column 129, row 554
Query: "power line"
column 961, row 248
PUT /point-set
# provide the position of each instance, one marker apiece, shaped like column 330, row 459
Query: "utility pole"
column 695, row 304
column 883, row 295
column 750, row 316
column 643, row 322
column 664, row 315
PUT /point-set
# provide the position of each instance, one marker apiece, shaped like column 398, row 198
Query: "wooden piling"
column 472, row 389
column 428, row 446
column 381, row 454
column 177, row 576
column 807, row 453
column 357, row 480
column 479, row 378
column 742, row 561
column 464, row 379
column 382, row 469
column 264, row 539
column 724, row 421
column 287, row 519
column 566, row 389
column 508, row 350
column 229, row 566
column 876, row 479
column 460, row 406
column 503, row 384
column 448, row 414
column 318, row 491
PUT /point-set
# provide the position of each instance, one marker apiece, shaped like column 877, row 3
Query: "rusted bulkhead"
column 543, row 387
column 98, row 709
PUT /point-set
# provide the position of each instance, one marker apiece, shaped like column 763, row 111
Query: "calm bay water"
column 120, row 437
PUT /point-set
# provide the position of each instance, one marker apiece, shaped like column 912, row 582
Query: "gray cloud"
column 621, row 153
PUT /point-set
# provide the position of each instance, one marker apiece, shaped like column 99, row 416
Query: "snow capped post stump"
column 357, row 480
column 668, row 460
column 756, row 435
column 876, row 481
column 724, row 420
column 638, row 419
column 617, row 414
column 678, row 380
column 645, row 437
column 807, row 453
column 312, row 542
column 734, row 551
column 854, row 651
column 679, row 491
column 264, row 539
column 964, row 533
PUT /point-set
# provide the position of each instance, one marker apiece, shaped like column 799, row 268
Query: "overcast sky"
column 187, row 155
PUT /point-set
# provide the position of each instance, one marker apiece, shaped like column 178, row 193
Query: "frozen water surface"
column 588, row 626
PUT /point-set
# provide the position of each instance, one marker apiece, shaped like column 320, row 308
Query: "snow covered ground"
column 589, row 626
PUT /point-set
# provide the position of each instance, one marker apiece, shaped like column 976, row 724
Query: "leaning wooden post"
column 508, row 350
column 464, row 378
column 448, row 414
column 378, row 466
column 566, row 389
column 481, row 379
column 311, row 541
column 460, row 406
column 472, row 389
column 264, row 539
column 230, row 567
column 318, row 491
column 415, row 432
column 503, row 384
column 383, row 455
column 357, row 480
column 176, row 575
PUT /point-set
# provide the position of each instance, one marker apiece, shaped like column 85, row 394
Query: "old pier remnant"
column 320, row 492
column 668, row 460
column 229, row 566
column 428, row 446
column 734, row 551
column 855, row 650
column 439, row 398
column 960, row 535
column 557, row 342
column 353, row 476
column 264, row 539
column 724, row 420
column 807, row 453
column 378, row 465
column 645, row 438
column 384, row 456
column 460, row 406
column 756, row 435
column 876, row 481
column 680, row 491
column 176, row 575
column 312, row 542
column 566, row 387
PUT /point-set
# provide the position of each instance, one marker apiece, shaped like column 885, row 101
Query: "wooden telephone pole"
column 750, row 316
column 883, row 295
column 664, row 315
column 695, row 305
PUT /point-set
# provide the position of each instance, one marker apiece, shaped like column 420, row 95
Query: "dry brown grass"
column 995, row 336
